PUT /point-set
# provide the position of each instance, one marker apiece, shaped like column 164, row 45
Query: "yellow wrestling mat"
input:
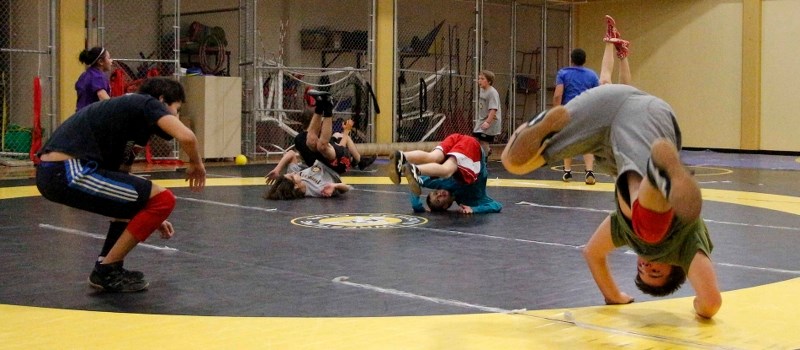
column 755, row 318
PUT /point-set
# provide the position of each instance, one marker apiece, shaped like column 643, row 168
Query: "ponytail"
column 91, row 56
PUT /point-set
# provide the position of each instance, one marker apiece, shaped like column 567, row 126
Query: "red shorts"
column 467, row 151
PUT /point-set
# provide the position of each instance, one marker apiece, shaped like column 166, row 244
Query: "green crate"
column 17, row 139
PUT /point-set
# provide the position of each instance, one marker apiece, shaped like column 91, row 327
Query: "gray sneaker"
column 411, row 172
column 112, row 278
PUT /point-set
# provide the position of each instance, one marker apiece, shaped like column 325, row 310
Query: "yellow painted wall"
column 780, row 119
column 384, row 70
column 71, row 38
column 687, row 52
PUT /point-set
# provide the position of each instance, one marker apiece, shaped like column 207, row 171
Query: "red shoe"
column 611, row 29
column 622, row 48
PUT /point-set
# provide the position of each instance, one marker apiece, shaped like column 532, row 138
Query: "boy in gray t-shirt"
column 489, row 121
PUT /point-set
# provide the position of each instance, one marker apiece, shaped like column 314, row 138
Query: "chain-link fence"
column 296, row 46
column 443, row 45
column 436, row 64
column 26, row 76
column 497, row 29
column 535, row 65
column 286, row 47
column 145, row 47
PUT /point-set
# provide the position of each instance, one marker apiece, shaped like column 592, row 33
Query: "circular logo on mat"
column 359, row 221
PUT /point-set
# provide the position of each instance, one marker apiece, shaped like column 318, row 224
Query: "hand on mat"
column 273, row 175
column 166, row 230
column 328, row 190
column 622, row 298
column 465, row 209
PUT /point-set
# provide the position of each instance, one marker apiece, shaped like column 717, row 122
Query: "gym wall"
column 686, row 52
column 780, row 48
column 690, row 54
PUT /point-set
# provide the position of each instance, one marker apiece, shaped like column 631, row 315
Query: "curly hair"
column 283, row 189
column 674, row 282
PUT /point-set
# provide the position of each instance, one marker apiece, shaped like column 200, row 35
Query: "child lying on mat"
column 300, row 181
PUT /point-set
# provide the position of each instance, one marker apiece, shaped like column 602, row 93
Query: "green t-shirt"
column 678, row 248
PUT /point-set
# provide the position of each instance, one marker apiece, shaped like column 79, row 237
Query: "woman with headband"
column 93, row 84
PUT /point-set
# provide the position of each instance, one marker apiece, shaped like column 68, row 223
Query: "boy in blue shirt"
column 571, row 82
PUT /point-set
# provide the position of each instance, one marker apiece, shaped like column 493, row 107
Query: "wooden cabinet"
column 214, row 106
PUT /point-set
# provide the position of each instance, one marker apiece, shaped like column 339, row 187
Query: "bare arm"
column 595, row 253
column 704, row 281
column 102, row 94
column 331, row 189
column 558, row 95
column 195, row 171
column 490, row 118
column 288, row 158
column 342, row 188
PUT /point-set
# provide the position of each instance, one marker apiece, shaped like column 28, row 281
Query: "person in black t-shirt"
column 84, row 165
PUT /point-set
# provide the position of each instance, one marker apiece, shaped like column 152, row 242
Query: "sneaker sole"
column 314, row 92
column 684, row 195
column 413, row 184
column 611, row 27
column 103, row 289
column 394, row 175
column 590, row 181
column 517, row 157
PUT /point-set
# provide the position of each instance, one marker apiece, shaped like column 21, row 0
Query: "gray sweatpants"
column 618, row 124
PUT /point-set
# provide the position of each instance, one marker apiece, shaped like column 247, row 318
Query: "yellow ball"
column 241, row 159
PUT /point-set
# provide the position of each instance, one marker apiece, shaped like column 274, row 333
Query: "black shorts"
column 340, row 164
column 483, row 137
column 81, row 184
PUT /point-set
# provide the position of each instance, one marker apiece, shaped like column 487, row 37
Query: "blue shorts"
column 81, row 184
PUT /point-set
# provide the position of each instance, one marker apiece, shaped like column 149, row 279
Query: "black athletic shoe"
column 589, row 179
column 396, row 162
column 132, row 274
column 567, row 176
column 322, row 99
column 411, row 172
column 112, row 278
column 366, row 161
